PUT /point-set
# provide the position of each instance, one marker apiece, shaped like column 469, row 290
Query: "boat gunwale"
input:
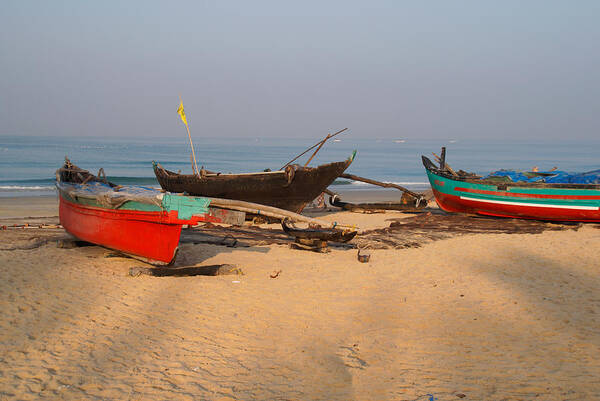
column 157, row 166
column 131, row 214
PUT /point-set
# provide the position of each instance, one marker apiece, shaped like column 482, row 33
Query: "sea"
column 28, row 163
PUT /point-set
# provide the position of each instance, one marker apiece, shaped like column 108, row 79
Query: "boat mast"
column 184, row 119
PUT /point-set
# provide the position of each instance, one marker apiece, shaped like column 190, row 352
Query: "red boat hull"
column 151, row 235
column 452, row 203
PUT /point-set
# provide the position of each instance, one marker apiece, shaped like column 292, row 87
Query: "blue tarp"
column 514, row 176
column 551, row 177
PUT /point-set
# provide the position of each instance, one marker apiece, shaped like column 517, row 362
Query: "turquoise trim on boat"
column 448, row 186
column 186, row 206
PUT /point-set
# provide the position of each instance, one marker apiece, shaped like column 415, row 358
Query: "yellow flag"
column 181, row 113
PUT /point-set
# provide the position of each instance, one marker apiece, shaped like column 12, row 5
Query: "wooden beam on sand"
column 382, row 184
column 264, row 210
column 210, row 270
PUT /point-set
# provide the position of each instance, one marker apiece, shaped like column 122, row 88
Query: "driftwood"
column 210, row 270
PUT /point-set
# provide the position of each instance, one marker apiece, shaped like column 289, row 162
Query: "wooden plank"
column 226, row 216
column 210, row 270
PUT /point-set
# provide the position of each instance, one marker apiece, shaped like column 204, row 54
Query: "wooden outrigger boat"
column 140, row 221
column 291, row 188
column 468, row 193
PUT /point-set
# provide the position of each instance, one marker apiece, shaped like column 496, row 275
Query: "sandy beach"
column 123, row 106
column 474, row 316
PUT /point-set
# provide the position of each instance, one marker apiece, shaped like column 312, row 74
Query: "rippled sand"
column 478, row 317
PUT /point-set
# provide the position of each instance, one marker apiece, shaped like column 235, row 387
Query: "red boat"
column 140, row 221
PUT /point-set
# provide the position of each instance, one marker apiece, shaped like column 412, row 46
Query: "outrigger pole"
column 319, row 144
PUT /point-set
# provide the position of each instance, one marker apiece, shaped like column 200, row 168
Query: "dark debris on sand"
column 409, row 232
column 412, row 232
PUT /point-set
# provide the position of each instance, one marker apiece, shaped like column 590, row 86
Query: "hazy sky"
column 421, row 69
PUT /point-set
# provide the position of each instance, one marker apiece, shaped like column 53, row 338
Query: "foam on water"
column 30, row 188
column 28, row 163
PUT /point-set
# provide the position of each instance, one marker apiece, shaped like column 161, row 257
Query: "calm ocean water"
column 27, row 164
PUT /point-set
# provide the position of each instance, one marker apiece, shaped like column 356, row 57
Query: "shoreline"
column 28, row 206
column 47, row 205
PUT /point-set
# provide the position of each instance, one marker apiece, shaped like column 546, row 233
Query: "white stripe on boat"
column 531, row 204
